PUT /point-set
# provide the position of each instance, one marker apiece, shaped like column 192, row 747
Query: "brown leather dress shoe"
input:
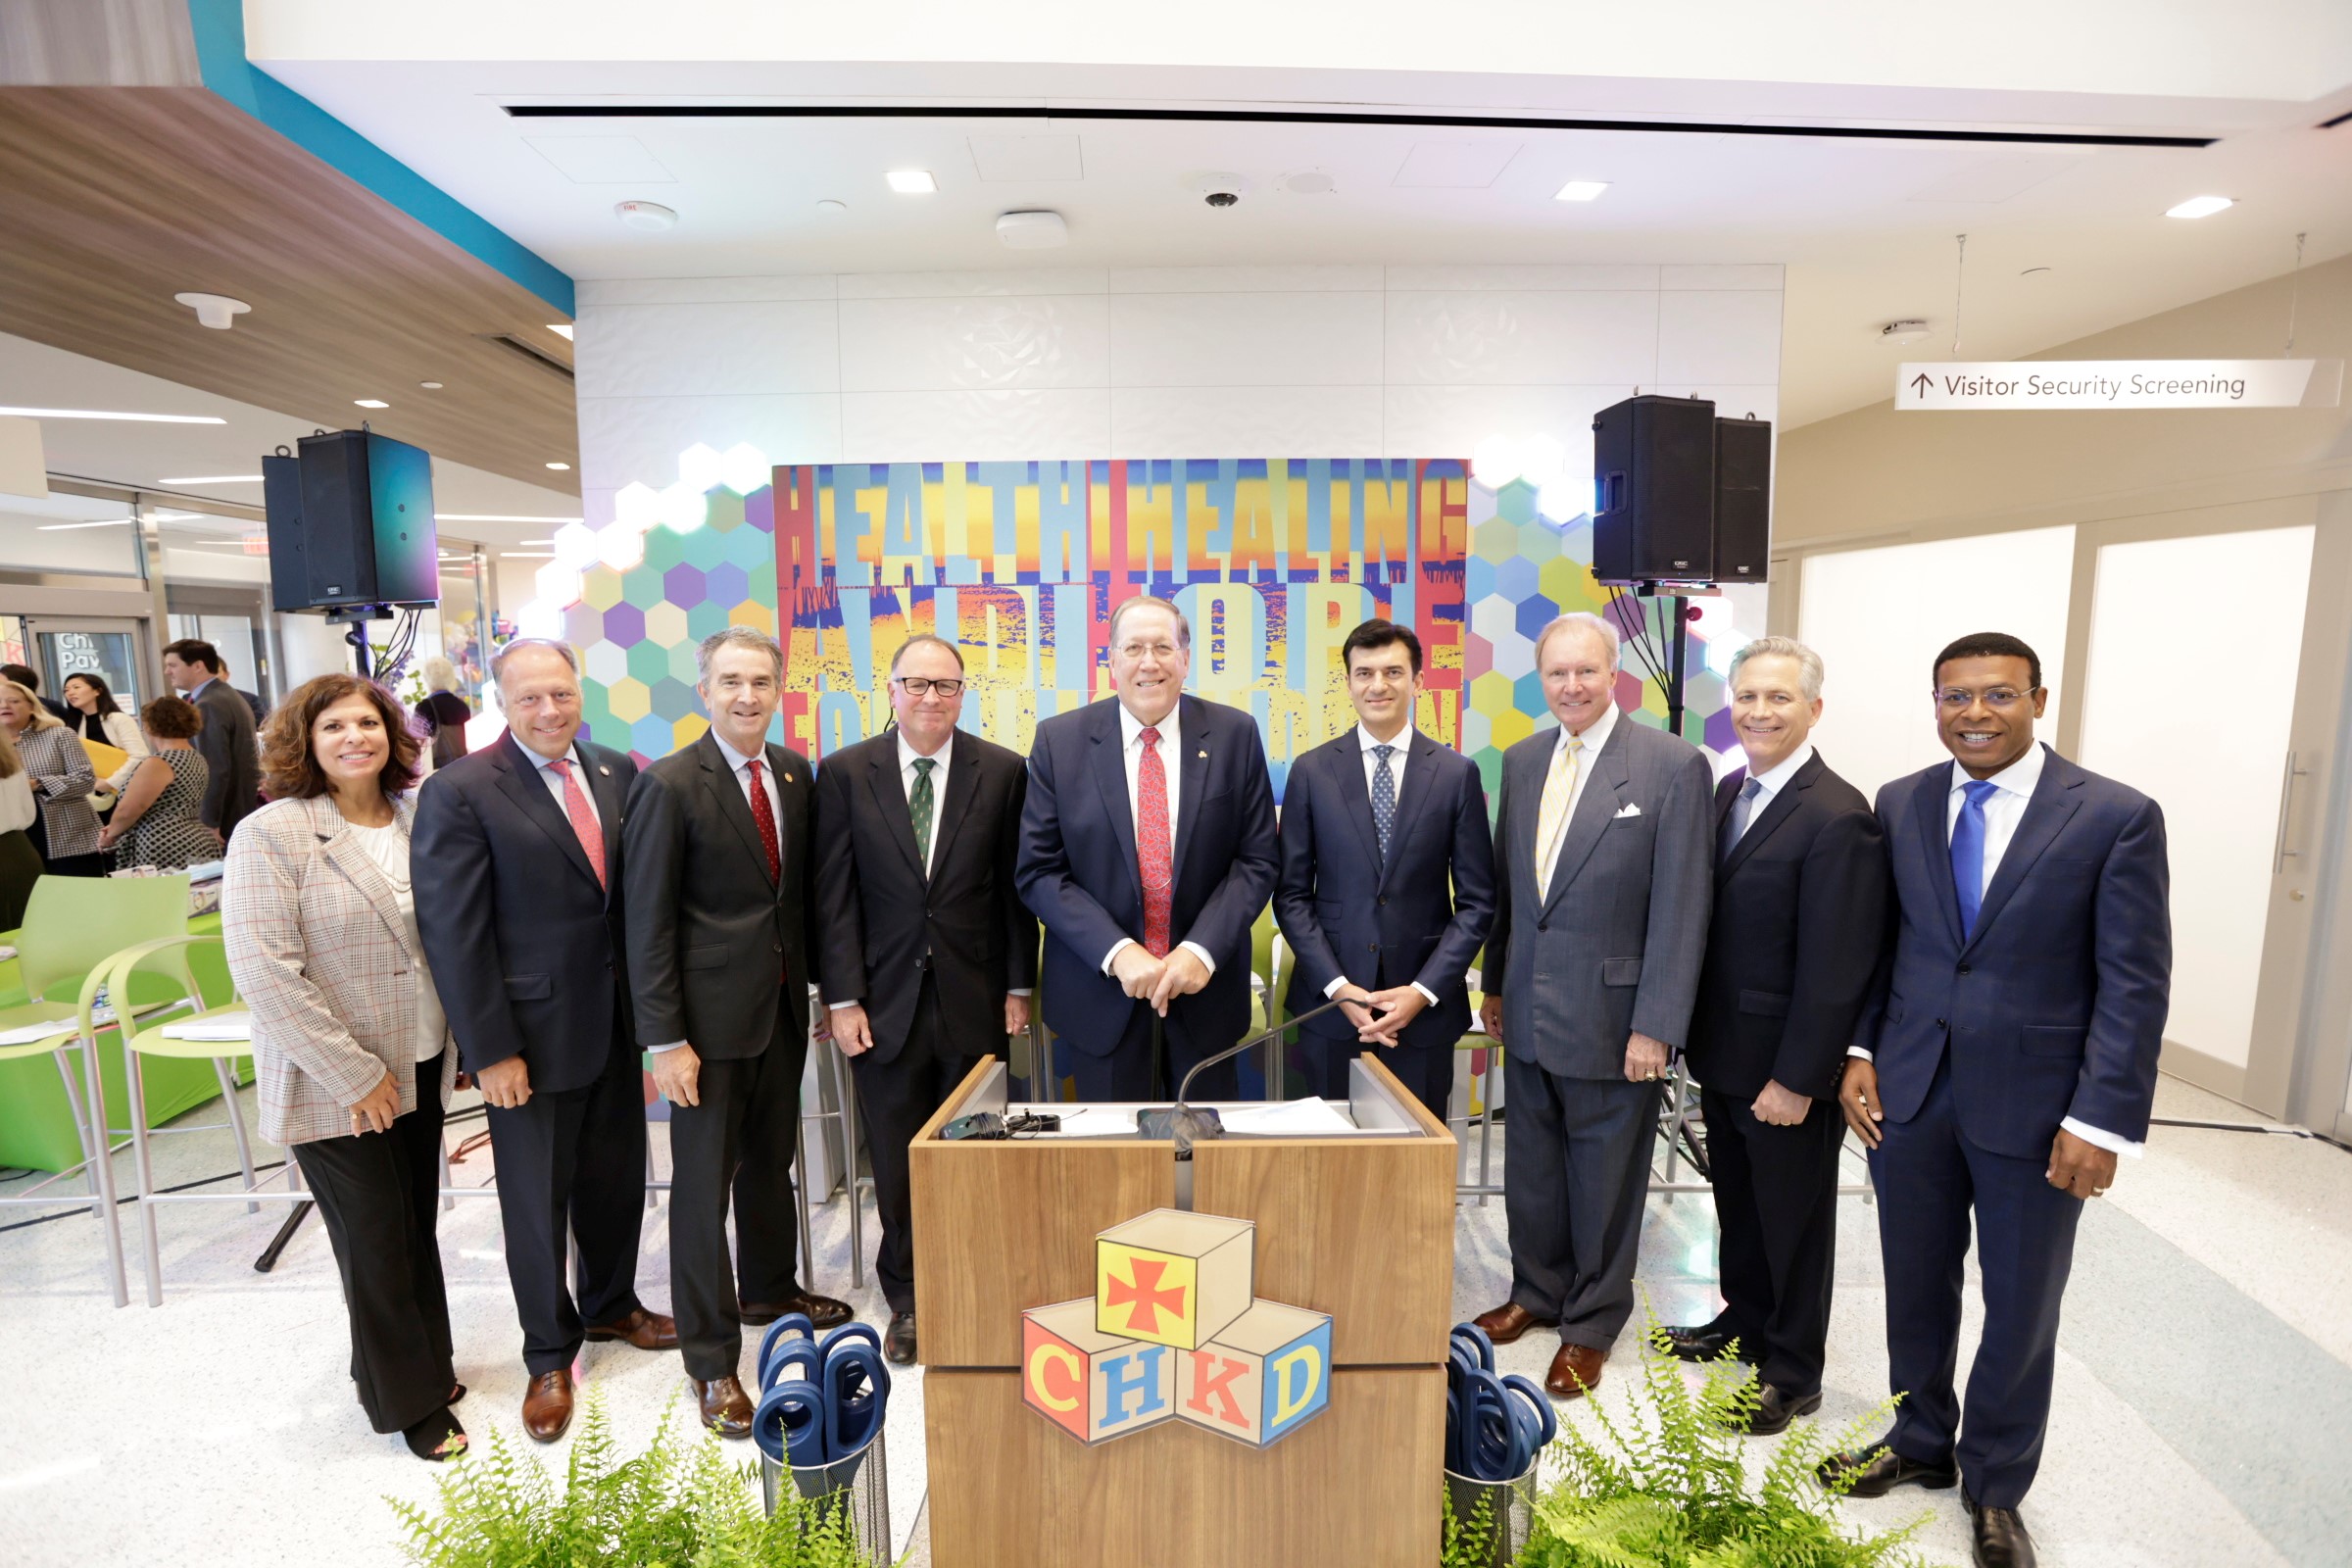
column 725, row 1408
column 1575, row 1370
column 822, row 1311
column 647, row 1331
column 1998, row 1538
column 1508, row 1322
column 546, row 1405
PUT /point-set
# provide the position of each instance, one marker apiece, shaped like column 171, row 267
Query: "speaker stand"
column 1678, row 647
column 357, row 616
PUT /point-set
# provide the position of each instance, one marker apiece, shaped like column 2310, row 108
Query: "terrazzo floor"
column 2203, row 1412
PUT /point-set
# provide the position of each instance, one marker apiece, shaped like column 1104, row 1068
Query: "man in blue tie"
column 2008, row 1057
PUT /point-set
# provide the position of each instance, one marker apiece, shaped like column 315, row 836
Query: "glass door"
column 111, row 649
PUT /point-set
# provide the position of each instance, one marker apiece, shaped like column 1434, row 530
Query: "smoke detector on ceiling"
column 650, row 216
column 1308, row 182
column 216, row 311
column 1908, row 330
column 1032, row 230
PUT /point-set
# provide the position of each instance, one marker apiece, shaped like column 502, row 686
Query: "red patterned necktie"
column 1152, row 856
column 583, row 820
column 765, row 816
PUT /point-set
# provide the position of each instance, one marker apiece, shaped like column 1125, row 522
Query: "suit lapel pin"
column 602, row 768
column 1204, row 757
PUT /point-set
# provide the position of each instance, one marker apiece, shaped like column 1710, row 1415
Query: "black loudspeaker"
column 1653, row 481
column 1743, row 500
column 351, row 522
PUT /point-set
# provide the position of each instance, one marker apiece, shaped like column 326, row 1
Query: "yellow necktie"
column 1559, row 788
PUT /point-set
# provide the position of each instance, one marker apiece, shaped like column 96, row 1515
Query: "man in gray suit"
column 226, row 743
column 1602, row 884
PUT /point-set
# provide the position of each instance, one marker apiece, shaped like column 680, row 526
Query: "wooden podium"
column 1357, row 1225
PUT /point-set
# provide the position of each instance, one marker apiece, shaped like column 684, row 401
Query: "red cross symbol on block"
column 1148, row 1297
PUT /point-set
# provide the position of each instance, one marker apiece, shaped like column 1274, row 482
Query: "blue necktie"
column 1384, row 799
column 1967, row 852
column 1735, row 822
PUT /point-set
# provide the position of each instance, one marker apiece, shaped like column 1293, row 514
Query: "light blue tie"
column 1967, row 852
column 1384, row 799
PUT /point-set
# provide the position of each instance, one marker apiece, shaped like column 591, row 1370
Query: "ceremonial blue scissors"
column 1495, row 1426
column 819, row 1404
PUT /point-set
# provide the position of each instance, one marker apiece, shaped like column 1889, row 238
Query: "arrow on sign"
column 1920, row 384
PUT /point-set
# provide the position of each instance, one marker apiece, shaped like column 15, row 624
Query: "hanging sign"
column 2121, row 384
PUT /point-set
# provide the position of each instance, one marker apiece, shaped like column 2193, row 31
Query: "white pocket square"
column 1631, row 810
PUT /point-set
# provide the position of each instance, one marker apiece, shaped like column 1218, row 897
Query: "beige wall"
column 1875, row 474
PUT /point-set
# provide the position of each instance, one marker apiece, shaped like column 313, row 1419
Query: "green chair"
column 146, row 1040
column 71, row 926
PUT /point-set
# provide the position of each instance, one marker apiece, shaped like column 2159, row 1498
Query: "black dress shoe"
column 897, row 1345
column 1999, row 1536
column 1878, row 1470
column 1776, row 1410
column 821, row 1311
column 1705, row 1343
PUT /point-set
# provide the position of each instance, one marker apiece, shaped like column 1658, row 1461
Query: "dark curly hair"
column 290, row 768
column 171, row 719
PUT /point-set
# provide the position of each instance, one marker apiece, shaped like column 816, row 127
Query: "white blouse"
column 388, row 848
column 17, row 808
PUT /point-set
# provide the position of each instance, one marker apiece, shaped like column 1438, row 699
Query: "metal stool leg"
column 799, row 1193
column 649, row 1171
column 236, row 1122
column 1486, row 1121
column 81, row 1130
column 447, row 1203
column 101, row 1143
column 135, row 1082
column 845, row 1092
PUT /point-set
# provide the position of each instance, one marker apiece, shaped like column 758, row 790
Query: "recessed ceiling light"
column 526, row 555
column 430, row 386
column 560, row 467
column 2035, row 272
column 496, row 516
column 911, row 182
column 535, row 541
column 216, row 479
column 1580, row 190
column 2200, row 207
column 102, row 522
column 371, row 403
column 651, row 217
column 829, row 208
column 104, row 413
column 1910, row 329
column 561, row 329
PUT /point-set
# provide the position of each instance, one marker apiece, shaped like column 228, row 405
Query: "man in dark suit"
column 1601, row 885
column 519, row 844
column 232, row 762
column 1148, row 869
column 1388, row 880
column 1801, row 910
column 721, row 883
column 926, row 954
column 2009, row 1055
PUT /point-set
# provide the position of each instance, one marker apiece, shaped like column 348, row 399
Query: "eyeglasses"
column 918, row 686
column 1998, row 697
column 1136, row 650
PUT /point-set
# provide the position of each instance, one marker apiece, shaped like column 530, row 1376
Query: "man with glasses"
column 1147, row 851
column 2008, row 1057
column 926, row 954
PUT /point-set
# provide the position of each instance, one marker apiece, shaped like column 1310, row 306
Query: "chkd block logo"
column 1175, row 1331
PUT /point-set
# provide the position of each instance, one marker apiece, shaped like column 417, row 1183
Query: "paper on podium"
column 1289, row 1118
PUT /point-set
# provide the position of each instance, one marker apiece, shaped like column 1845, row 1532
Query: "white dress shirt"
column 1596, row 736
column 1403, row 743
column 2004, row 809
column 1171, row 764
column 741, row 767
column 1770, row 784
column 908, row 756
column 554, row 780
column 19, row 810
column 388, row 848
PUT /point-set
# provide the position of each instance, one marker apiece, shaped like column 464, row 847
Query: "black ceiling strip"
column 1309, row 116
column 2331, row 124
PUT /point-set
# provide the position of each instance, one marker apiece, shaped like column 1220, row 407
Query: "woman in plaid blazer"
column 62, row 780
column 348, row 1041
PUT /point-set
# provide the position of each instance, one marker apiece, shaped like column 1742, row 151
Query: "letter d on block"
column 1297, row 1378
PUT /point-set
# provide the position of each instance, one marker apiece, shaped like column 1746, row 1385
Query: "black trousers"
column 572, row 1161
column 1573, row 1191
column 379, row 1194
column 738, row 1144
column 1427, row 1070
column 1776, row 1202
column 895, row 1098
column 1148, row 1067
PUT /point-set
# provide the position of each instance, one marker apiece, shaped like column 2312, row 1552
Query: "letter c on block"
column 1046, row 1360
column 1297, row 1376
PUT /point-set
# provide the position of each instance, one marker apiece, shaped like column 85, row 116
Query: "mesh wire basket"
column 854, row 1489
column 1502, row 1512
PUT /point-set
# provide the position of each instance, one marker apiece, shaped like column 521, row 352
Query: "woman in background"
column 97, row 717
column 156, row 822
column 20, row 861
column 444, row 711
column 62, row 782
column 349, row 1040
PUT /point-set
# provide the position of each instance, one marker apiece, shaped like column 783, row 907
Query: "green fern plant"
column 1669, row 1488
column 679, row 1504
column 1468, row 1543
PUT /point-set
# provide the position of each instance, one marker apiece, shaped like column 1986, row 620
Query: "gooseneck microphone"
column 1187, row 1126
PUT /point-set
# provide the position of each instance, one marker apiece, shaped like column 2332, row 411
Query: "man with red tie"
column 520, row 844
column 721, row 881
column 1147, row 852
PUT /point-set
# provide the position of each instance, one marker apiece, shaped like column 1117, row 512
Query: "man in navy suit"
column 520, row 844
column 1388, row 880
column 2009, row 1058
column 1148, row 869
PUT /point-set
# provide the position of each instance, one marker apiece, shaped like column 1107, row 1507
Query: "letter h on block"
column 1263, row 1376
column 1091, row 1384
column 1172, row 1278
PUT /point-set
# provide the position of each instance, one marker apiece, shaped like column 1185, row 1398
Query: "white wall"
column 1294, row 361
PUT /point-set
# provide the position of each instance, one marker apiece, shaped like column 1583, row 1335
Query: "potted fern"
column 679, row 1503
